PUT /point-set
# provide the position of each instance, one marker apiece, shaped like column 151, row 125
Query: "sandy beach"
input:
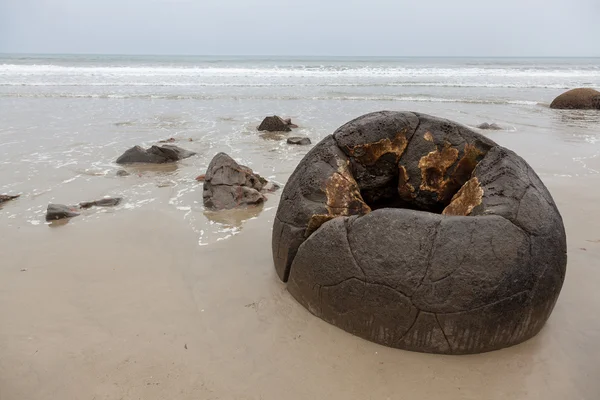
column 128, row 306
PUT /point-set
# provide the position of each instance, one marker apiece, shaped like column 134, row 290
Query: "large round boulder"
column 578, row 99
column 417, row 233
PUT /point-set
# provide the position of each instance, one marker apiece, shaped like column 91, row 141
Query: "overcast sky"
column 303, row 27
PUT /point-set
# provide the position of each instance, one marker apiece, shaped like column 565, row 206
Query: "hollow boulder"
column 228, row 184
column 154, row 155
column 578, row 99
column 418, row 233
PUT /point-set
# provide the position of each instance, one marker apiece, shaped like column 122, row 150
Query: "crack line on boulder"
column 411, row 137
column 429, row 258
column 483, row 306
column 343, row 281
column 346, row 222
column 459, row 264
column 444, row 333
column 290, row 224
column 389, row 287
column 514, row 224
column 412, row 325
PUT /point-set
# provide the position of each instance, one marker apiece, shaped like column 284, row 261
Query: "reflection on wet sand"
column 159, row 169
column 576, row 118
column 234, row 218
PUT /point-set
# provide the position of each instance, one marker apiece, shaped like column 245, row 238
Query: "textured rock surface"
column 228, row 184
column 299, row 140
column 4, row 197
column 418, row 233
column 580, row 99
column 154, row 155
column 59, row 211
column 276, row 124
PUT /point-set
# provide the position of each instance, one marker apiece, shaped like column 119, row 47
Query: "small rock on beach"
column 4, row 197
column 299, row 140
column 276, row 124
column 154, row 155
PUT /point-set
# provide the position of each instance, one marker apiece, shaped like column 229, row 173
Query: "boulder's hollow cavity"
column 417, row 233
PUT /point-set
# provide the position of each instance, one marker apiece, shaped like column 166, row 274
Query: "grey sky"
column 305, row 27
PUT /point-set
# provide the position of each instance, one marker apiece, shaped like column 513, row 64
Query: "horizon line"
column 281, row 55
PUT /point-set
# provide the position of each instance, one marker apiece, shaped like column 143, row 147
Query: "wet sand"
column 128, row 306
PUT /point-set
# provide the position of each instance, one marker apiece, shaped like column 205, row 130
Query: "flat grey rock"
column 154, row 155
column 60, row 211
column 492, row 126
column 4, row 198
column 298, row 140
column 108, row 202
column 418, row 233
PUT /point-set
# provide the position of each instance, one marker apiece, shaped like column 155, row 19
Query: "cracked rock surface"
column 416, row 232
column 228, row 184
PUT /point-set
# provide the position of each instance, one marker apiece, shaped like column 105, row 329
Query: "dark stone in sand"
column 4, row 197
column 578, row 99
column 109, row 202
column 299, row 140
column 228, row 184
column 418, row 233
column 122, row 172
column 154, row 155
column 59, row 211
column 276, row 124
column 493, row 126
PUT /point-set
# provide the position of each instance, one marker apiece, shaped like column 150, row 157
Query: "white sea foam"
column 297, row 71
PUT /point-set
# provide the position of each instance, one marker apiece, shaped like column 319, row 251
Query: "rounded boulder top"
column 418, row 233
column 578, row 99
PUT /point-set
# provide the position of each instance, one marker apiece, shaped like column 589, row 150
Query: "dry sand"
column 128, row 306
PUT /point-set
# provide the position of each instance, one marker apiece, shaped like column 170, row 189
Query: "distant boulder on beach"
column 578, row 99
column 154, row 155
column 276, row 124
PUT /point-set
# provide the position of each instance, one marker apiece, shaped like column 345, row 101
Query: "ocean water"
column 65, row 119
